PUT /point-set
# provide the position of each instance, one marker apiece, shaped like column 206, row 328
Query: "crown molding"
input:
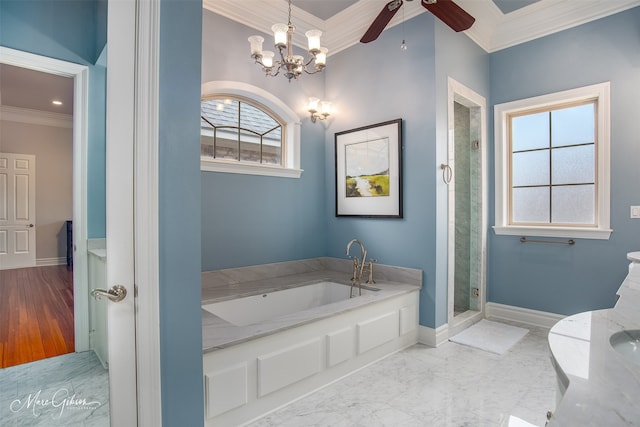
column 35, row 117
column 492, row 30
column 495, row 31
column 339, row 32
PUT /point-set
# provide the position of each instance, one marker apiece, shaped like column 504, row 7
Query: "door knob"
column 116, row 294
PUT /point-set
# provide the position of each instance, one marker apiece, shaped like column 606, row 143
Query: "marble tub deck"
column 221, row 285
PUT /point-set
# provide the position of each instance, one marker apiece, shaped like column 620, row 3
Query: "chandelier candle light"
column 291, row 65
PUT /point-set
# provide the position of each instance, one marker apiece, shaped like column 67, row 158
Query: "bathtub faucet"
column 358, row 266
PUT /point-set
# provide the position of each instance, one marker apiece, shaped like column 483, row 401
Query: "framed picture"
column 369, row 171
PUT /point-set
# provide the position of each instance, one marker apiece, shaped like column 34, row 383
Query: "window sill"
column 565, row 232
column 248, row 169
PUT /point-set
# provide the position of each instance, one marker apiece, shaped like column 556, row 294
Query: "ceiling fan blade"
column 451, row 14
column 381, row 21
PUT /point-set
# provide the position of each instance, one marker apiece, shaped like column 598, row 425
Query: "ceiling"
column 324, row 9
column 35, row 90
column 499, row 23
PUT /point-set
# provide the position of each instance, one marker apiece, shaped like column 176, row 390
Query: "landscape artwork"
column 369, row 171
column 367, row 168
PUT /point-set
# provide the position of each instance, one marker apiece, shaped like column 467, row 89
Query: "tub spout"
column 358, row 266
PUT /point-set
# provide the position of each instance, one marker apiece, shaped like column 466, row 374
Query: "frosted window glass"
column 573, row 165
column 531, row 168
column 575, row 125
column 530, row 132
column 531, row 205
column 573, row 204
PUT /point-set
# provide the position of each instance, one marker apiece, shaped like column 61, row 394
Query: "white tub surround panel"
column 287, row 366
column 254, row 369
column 596, row 385
column 339, row 346
column 377, row 331
column 226, row 389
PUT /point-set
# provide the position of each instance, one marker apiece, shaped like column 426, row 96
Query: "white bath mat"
column 490, row 336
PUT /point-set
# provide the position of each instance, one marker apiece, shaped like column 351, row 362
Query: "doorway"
column 79, row 75
column 36, row 193
column 79, row 371
column 466, row 175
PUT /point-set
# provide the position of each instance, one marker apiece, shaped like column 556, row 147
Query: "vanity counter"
column 600, row 387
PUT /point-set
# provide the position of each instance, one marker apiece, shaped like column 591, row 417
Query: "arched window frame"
column 291, row 144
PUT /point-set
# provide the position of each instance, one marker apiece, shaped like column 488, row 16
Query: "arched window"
column 244, row 129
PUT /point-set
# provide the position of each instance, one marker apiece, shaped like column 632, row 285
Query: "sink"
column 627, row 344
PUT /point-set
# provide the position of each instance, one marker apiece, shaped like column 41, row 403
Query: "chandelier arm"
column 313, row 57
column 269, row 71
column 317, row 70
column 280, row 49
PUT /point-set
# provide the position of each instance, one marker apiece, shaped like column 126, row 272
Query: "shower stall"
column 465, row 175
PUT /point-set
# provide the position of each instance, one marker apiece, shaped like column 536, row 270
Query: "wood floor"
column 36, row 314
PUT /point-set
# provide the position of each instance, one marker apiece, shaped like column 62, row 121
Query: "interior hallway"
column 448, row 386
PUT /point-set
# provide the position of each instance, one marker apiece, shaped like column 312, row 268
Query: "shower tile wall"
column 468, row 207
column 462, row 150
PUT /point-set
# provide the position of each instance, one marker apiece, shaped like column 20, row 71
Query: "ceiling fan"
column 445, row 10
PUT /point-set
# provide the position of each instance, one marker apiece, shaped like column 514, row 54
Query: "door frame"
column 143, row 77
column 79, row 74
column 458, row 92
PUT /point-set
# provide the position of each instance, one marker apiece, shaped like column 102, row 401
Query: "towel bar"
column 523, row 239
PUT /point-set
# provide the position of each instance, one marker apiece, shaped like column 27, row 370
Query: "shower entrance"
column 465, row 174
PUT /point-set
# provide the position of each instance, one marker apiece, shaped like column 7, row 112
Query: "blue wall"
column 411, row 85
column 179, row 213
column 250, row 219
column 73, row 31
column 558, row 278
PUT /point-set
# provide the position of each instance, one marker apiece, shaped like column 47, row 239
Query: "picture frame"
column 368, row 167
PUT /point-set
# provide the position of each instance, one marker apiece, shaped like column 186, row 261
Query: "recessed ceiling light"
column 56, row 102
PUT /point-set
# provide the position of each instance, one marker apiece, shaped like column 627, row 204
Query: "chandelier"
column 291, row 65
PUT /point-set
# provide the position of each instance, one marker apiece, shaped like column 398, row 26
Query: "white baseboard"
column 522, row 315
column 41, row 262
column 433, row 337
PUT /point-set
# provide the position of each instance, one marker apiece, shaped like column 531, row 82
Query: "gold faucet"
column 358, row 266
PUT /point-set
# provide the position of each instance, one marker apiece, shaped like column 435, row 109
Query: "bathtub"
column 258, row 308
column 265, row 349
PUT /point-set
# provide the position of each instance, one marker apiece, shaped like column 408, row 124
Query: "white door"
column 119, row 185
column 17, row 210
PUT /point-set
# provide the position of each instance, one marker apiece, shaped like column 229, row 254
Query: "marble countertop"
column 217, row 333
column 99, row 252
column 602, row 388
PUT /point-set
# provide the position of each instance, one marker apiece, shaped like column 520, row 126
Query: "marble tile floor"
column 70, row 390
column 448, row 386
